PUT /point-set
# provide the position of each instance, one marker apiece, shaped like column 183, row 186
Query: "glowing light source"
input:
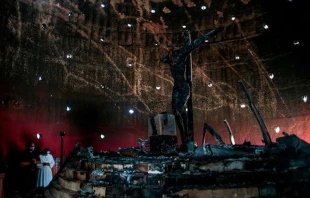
column 184, row 26
column 271, row 75
column 233, row 18
column 71, row 14
column 186, row 109
column 305, row 98
column 39, row 136
column 266, row 26
column 131, row 111
column 203, row 7
column 277, row 129
column 68, row 108
column 44, row 26
column 210, row 84
column 237, row 57
column 5, row 102
column 102, row 39
column 102, row 136
column 129, row 64
column 40, row 78
column 156, row 43
column 153, row 11
column 242, row 105
column 158, row 87
column 129, row 25
column 296, row 42
column 69, row 56
column 102, row 86
column 206, row 40
column 103, row 5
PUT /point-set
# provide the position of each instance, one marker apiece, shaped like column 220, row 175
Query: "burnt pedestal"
column 163, row 144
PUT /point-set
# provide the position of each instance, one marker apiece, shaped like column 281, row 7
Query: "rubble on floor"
column 222, row 171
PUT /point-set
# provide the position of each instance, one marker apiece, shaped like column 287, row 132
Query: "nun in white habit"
column 45, row 175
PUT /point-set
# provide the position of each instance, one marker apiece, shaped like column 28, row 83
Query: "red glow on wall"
column 18, row 128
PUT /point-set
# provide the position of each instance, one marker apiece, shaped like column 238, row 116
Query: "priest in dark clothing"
column 28, row 168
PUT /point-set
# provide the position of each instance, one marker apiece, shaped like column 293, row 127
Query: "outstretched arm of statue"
column 190, row 46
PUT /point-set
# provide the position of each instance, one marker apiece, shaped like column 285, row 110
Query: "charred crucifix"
column 180, row 67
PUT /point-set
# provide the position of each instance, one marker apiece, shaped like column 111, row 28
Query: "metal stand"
column 62, row 135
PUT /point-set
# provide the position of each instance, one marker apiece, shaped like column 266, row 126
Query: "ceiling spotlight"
column 266, row 27
column 183, row 26
column 203, row 7
column 68, row 108
column 153, row 11
column 296, row 42
column 271, row 76
column 40, row 78
column 103, row 5
column 237, row 57
column 131, row 111
column 129, row 25
column 210, row 84
column 242, row 105
column 277, row 129
column 5, row 102
column 69, row 56
column 102, row 136
column 158, row 87
column 305, row 98
column 233, row 18
column 39, row 136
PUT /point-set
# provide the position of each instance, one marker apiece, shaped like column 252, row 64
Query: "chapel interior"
column 89, row 73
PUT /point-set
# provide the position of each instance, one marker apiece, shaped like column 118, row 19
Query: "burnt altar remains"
column 277, row 169
column 212, row 171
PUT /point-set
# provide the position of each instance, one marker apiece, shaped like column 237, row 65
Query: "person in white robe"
column 45, row 166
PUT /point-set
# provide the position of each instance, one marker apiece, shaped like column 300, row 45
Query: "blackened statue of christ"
column 177, row 60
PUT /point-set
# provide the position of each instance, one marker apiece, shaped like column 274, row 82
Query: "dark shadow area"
column 11, row 185
column 86, row 117
column 20, row 178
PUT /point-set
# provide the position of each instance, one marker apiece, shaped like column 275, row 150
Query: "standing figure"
column 28, row 168
column 45, row 174
column 181, row 89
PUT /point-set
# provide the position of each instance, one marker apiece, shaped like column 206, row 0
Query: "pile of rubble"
column 244, row 170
